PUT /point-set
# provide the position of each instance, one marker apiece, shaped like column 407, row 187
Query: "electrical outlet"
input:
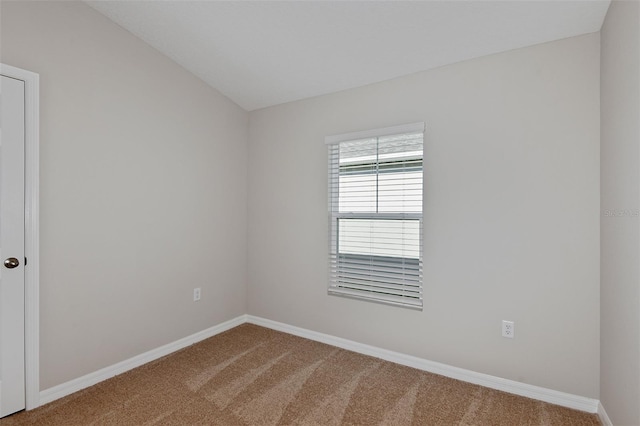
column 508, row 329
column 196, row 294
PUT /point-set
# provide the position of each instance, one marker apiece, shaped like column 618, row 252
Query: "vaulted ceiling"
column 263, row 53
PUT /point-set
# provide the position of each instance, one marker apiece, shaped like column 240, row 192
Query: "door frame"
column 32, row 230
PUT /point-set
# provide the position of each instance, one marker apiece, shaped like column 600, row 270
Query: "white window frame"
column 335, row 287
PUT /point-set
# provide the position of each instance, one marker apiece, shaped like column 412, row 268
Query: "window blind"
column 375, row 214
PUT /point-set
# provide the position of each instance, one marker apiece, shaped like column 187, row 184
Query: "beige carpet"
column 255, row 376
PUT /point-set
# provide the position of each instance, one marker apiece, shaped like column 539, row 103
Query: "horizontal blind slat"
column 387, row 299
column 409, row 265
column 380, row 290
column 410, row 279
column 397, row 285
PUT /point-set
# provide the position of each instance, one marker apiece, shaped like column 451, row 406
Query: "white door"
column 12, row 236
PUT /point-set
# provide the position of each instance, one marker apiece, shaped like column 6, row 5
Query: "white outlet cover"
column 508, row 329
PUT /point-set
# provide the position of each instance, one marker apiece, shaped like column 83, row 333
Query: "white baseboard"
column 530, row 391
column 511, row 386
column 606, row 421
column 91, row 379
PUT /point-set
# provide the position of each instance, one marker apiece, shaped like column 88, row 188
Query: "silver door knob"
column 11, row 262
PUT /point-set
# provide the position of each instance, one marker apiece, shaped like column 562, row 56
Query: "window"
column 375, row 213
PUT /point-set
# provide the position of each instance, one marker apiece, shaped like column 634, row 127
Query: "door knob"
column 11, row 262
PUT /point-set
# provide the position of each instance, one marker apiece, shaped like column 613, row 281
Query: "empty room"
column 320, row 212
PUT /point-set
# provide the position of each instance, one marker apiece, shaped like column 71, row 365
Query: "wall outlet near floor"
column 508, row 329
column 196, row 294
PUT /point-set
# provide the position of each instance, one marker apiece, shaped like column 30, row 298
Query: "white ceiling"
column 263, row 53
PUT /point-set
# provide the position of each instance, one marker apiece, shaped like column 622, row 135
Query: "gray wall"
column 620, row 230
column 143, row 190
column 511, row 206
